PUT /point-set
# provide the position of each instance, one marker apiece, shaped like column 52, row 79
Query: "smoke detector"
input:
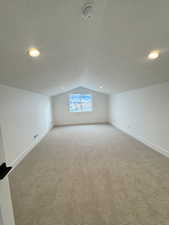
column 87, row 9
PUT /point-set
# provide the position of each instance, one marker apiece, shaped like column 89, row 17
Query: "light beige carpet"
column 91, row 175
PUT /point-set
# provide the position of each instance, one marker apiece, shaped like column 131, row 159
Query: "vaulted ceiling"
column 108, row 50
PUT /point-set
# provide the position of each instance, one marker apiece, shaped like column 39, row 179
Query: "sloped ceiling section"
column 108, row 50
column 79, row 90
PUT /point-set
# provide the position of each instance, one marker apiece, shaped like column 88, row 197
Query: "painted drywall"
column 144, row 114
column 6, row 209
column 62, row 116
column 23, row 115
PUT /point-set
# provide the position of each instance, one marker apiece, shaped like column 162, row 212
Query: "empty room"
column 84, row 112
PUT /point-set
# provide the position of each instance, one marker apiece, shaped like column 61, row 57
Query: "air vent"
column 87, row 9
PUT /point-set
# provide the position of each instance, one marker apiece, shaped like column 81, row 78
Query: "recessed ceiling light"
column 154, row 54
column 34, row 52
column 101, row 87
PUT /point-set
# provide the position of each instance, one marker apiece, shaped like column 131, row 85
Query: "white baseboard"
column 144, row 141
column 23, row 154
column 79, row 124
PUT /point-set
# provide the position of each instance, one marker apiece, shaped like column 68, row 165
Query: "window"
column 80, row 103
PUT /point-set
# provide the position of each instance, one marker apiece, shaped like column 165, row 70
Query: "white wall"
column 144, row 113
column 62, row 116
column 23, row 114
column 6, row 209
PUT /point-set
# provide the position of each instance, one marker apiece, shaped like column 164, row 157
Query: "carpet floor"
column 91, row 175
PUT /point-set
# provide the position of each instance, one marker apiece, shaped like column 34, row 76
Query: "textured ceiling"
column 109, row 49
